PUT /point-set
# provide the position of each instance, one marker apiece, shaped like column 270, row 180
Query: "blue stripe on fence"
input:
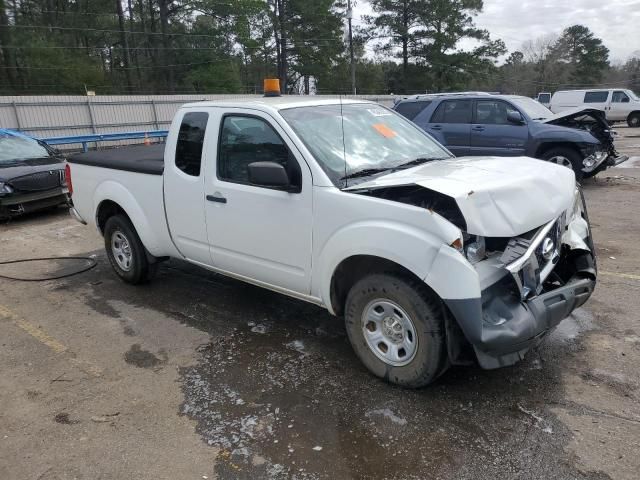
column 104, row 137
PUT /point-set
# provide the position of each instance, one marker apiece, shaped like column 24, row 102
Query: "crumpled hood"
column 498, row 196
column 574, row 113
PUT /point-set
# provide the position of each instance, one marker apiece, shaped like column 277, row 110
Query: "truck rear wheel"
column 567, row 158
column 125, row 251
column 633, row 120
column 396, row 327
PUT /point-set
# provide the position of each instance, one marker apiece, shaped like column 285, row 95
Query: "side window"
column 453, row 111
column 544, row 97
column 244, row 140
column 410, row 110
column 619, row 97
column 493, row 112
column 596, row 97
column 190, row 142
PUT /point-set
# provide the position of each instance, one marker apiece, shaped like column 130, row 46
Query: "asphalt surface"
column 199, row 376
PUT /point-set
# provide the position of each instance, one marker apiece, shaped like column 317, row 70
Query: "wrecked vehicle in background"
column 432, row 260
column 31, row 175
column 510, row 125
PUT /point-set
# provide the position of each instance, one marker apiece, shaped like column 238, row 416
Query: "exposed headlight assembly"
column 476, row 250
column 5, row 189
column 595, row 159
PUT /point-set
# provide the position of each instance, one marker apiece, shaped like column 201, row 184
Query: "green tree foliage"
column 230, row 46
column 430, row 32
column 585, row 54
column 395, row 22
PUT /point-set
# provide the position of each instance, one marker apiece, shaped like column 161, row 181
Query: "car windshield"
column 14, row 148
column 533, row 109
column 632, row 94
column 375, row 140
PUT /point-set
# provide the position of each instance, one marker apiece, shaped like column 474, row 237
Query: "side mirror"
column 625, row 100
column 268, row 174
column 515, row 117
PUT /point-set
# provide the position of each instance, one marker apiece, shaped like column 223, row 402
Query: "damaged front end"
column 596, row 159
column 529, row 283
column 505, row 289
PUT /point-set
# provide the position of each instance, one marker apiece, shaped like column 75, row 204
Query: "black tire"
column 426, row 314
column 574, row 158
column 633, row 120
column 140, row 269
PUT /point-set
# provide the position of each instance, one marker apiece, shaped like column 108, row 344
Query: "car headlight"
column 5, row 189
column 595, row 158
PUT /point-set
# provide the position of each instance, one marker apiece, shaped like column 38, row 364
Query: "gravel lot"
column 198, row 376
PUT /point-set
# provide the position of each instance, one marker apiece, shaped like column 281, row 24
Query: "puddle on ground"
column 143, row 358
column 292, row 404
column 280, row 392
column 576, row 324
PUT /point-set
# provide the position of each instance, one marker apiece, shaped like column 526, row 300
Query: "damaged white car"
column 432, row 260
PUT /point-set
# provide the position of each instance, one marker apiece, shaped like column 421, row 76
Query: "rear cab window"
column 411, row 110
column 596, row 97
column 453, row 111
column 190, row 142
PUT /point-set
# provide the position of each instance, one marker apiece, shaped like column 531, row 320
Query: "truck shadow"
column 280, row 392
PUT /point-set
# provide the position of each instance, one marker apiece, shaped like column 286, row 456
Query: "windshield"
column 534, row 110
column 18, row 148
column 632, row 94
column 375, row 139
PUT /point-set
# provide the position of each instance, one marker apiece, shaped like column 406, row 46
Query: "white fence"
column 54, row 116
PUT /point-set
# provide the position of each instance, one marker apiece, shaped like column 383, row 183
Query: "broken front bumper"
column 528, row 289
column 510, row 326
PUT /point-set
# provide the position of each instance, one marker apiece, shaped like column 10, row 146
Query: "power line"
column 130, row 32
column 135, row 12
column 116, row 69
column 98, row 47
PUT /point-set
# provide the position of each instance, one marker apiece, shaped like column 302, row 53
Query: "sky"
column 616, row 22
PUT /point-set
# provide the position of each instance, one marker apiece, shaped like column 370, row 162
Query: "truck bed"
column 139, row 158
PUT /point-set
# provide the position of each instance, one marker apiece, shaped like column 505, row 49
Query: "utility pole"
column 353, row 63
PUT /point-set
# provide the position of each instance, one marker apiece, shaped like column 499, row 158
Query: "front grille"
column 37, row 182
column 527, row 261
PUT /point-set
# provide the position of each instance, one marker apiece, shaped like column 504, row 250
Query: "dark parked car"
column 510, row 125
column 32, row 175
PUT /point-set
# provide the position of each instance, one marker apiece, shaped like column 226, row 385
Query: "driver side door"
column 493, row 134
column 259, row 233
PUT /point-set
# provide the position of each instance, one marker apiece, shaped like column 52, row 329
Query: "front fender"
column 403, row 244
column 552, row 134
column 115, row 192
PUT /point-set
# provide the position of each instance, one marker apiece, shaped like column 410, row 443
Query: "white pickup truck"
column 432, row 260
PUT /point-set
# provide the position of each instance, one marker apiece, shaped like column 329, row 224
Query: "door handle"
column 478, row 128
column 436, row 127
column 214, row 198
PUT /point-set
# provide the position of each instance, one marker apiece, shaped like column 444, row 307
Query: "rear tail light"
column 67, row 178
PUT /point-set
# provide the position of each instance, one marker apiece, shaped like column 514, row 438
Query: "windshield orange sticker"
column 384, row 130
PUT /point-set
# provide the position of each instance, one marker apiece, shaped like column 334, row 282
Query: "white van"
column 544, row 98
column 619, row 105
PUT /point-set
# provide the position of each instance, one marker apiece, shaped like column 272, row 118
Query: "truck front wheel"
column 396, row 327
column 633, row 120
column 125, row 251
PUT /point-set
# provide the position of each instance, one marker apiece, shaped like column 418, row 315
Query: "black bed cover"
column 140, row 158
